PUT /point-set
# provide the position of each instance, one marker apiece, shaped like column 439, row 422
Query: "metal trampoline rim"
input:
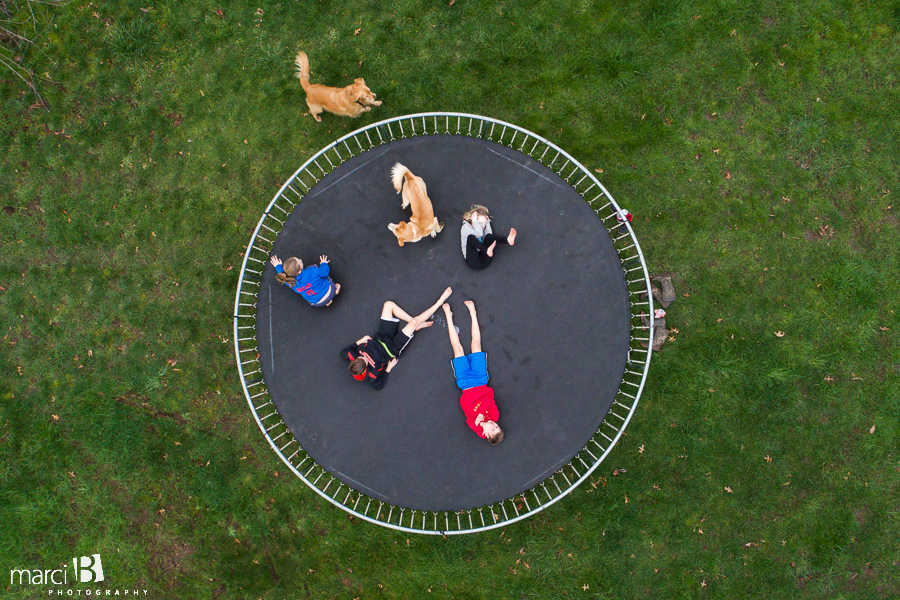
column 613, row 441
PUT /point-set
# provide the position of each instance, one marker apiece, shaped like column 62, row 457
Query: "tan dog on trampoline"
column 350, row 101
column 422, row 222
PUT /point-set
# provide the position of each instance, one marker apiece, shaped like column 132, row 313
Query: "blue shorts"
column 470, row 370
column 328, row 297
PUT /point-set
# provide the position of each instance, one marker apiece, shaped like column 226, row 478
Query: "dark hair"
column 497, row 438
column 358, row 366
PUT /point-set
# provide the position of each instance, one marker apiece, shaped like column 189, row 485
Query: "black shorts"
column 391, row 338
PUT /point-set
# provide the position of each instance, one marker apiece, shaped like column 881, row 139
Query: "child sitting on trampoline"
column 313, row 282
column 372, row 359
column 477, row 399
column 478, row 240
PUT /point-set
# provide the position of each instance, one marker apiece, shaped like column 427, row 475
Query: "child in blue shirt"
column 313, row 282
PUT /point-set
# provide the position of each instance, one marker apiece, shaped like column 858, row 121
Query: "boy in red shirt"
column 477, row 400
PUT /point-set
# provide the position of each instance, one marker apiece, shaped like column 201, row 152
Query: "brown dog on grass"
column 423, row 222
column 350, row 101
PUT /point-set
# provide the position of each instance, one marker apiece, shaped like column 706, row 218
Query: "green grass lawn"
column 756, row 144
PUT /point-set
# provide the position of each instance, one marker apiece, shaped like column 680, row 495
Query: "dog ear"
column 360, row 81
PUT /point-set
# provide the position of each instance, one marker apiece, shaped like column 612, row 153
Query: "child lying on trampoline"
column 478, row 240
column 313, row 282
column 372, row 359
column 477, row 400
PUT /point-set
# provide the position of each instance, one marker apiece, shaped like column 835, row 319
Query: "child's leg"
column 476, row 253
column 421, row 320
column 390, row 311
column 454, row 337
column 476, row 331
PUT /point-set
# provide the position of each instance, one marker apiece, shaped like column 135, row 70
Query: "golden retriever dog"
column 350, row 101
column 423, row 222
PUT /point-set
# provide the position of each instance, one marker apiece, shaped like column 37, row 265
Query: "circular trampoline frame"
column 497, row 514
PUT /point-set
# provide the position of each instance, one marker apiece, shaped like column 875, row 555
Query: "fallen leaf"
column 727, row 174
column 728, row 489
column 599, row 170
column 768, row 458
column 357, row 32
column 872, row 430
column 779, row 334
column 451, row 2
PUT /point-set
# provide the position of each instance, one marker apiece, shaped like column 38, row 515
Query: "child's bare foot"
column 447, row 311
column 511, row 238
column 446, row 294
column 337, row 289
column 471, row 305
column 490, row 251
column 424, row 324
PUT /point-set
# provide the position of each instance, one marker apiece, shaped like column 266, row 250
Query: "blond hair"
column 292, row 268
column 467, row 216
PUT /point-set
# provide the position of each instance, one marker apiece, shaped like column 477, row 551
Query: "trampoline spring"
column 505, row 515
column 624, row 235
column 316, row 162
column 271, row 414
column 633, row 372
column 379, row 135
column 469, row 131
column 638, row 293
column 515, row 508
column 279, row 435
column 297, row 451
column 271, row 216
column 525, row 500
column 412, row 125
column 245, row 304
column 596, row 443
column 262, row 393
column 249, row 361
column 630, row 383
column 255, row 383
column 480, row 128
column 316, row 482
column 563, row 168
column 358, row 498
column 245, row 326
column 607, row 437
column 523, row 142
column 642, row 280
column 378, row 514
column 256, row 259
column 502, row 134
column 424, row 131
column 570, row 174
column 472, row 525
column 623, row 406
column 447, row 124
column 533, row 147
column 349, row 151
column 625, row 248
column 554, row 160
column 629, row 395
column 329, row 161
column 347, row 497
column 248, row 293
column 290, row 441
column 391, row 512
column 616, row 415
column 480, row 512
column 587, row 190
column 540, row 160
column 435, row 124
column 391, row 131
column 281, row 209
column 246, row 338
column 402, row 133
column 325, row 489
column 563, row 473
column 549, row 497
column 557, row 485
column 458, row 524
column 458, row 120
column 515, row 133
column 274, row 426
column 256, row 409
column 248, row 350
column 338, row 153
column 582, row 462
column 591, row 453
column 644, row 350
column 491, row 134
column 634, row 269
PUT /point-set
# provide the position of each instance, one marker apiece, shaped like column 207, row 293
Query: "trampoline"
column 560, row 315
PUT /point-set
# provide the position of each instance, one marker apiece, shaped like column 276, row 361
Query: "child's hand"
column 275, row 261
column 323, row 260
column 391, row 364
column 363, row 340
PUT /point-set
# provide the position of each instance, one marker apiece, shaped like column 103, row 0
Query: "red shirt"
column 479, row 401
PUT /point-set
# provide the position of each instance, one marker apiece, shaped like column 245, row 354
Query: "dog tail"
column 302, row 63
column 398, row 173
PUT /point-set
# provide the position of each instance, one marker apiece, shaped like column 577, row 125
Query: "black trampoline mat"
column 553, row 311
